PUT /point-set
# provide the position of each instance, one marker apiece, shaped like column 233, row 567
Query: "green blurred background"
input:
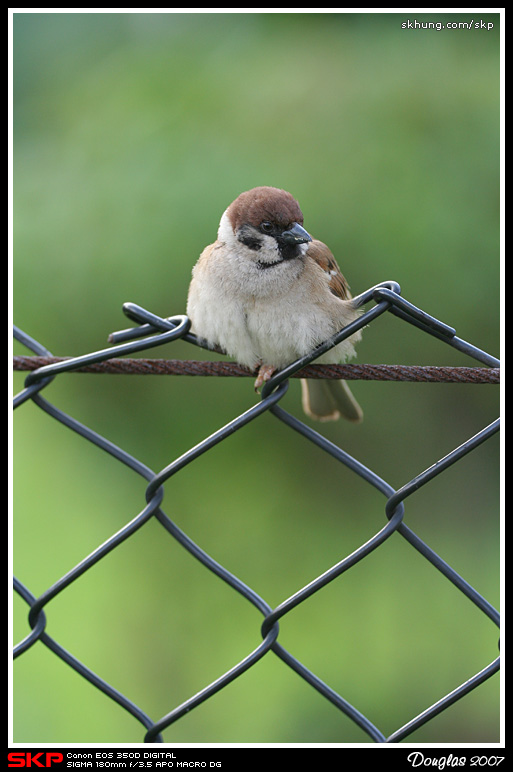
column 132, row 133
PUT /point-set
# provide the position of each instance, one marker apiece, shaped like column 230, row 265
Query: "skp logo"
column 41, row 759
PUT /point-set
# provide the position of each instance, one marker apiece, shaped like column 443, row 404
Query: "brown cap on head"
column 264, row 203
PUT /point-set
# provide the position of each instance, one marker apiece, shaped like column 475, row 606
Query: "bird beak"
column 296, row 235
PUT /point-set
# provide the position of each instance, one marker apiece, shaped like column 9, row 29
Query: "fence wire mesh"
column 153, row 331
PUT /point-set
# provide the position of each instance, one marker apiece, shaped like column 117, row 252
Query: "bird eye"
column 266, row 226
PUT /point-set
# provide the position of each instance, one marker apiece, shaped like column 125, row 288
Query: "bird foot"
column 265, row 372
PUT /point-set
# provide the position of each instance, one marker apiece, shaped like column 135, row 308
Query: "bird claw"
column 264, row 374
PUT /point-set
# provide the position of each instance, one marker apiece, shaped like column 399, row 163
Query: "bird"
column 266, row 293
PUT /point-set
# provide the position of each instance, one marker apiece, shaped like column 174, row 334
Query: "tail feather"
column 327, row 400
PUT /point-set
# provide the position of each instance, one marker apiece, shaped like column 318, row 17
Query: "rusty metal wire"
column 153, row 331
column 351, row 372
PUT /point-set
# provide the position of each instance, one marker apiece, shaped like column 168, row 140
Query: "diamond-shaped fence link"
column 153, row 331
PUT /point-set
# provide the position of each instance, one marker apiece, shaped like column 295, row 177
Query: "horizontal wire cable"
column 350, row 372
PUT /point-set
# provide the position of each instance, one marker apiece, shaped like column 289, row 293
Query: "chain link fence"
column 153, row 331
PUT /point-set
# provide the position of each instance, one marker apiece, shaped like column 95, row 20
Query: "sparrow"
column 266, row 293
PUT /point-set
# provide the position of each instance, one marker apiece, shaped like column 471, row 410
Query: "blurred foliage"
column 132, row 133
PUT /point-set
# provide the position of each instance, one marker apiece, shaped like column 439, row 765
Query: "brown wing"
column 324, row 257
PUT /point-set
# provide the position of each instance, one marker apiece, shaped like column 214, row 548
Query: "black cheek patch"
column 249, row 239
